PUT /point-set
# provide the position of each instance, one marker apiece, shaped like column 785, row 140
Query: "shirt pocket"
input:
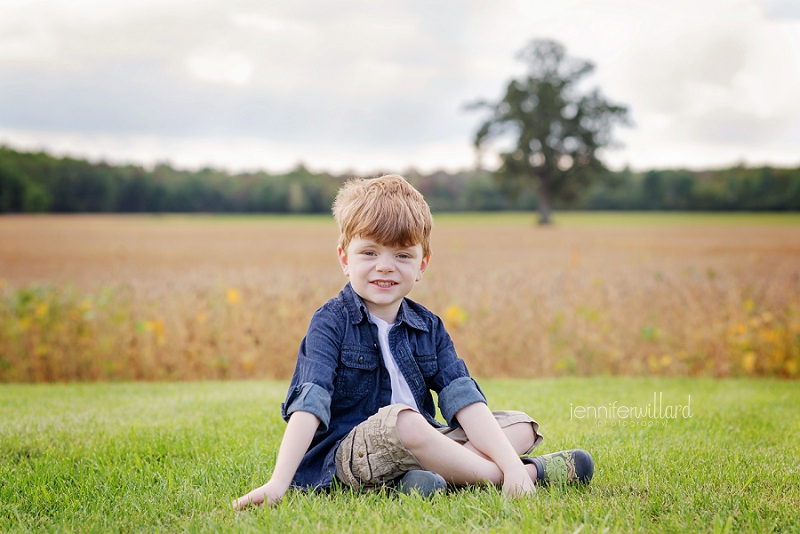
column 357, row 373
column 428, row 364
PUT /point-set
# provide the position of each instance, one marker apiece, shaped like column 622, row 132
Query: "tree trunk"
column 544, row 204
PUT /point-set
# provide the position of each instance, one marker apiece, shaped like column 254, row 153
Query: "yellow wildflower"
column 158, row 328
column 232, row 296
column 455, row 315
column 41, row 310
column 771, row 335
column 749, row 362
column 248, row 362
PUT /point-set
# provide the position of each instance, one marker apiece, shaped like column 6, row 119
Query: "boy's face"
column 382, row 275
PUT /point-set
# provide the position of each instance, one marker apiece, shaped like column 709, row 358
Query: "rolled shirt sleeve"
column 311, row 398
column 459, row 394
column 312, row 385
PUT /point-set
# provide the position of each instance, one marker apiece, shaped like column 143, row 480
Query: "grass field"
column 149, row 457
column 203, row 297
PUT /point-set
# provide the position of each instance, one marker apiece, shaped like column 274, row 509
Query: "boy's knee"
column 522, row 437
column 412, row 429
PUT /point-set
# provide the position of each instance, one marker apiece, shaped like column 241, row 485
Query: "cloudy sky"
column 373, row 84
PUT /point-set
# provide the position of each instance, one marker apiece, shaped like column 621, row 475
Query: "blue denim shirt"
column 340, row 376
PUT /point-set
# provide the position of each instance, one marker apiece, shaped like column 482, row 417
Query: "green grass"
column 170, row 457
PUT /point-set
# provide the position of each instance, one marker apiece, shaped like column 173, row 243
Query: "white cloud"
column 708, row 81
column 219, row 66
column 237, row 153
column 272, row 25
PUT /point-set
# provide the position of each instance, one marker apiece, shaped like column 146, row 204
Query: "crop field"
column 107, row 297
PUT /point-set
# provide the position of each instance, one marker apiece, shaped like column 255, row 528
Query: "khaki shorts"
column 372, row 454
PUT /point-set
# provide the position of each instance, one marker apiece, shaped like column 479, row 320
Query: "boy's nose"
column 385, row 264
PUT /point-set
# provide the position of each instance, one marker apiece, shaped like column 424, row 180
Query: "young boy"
column 360, row 409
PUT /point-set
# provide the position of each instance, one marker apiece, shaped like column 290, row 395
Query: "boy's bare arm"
column 296, row 439
column 488, row 438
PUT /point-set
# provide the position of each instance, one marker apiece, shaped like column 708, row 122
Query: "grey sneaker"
column 426, row 483
column 572, row 466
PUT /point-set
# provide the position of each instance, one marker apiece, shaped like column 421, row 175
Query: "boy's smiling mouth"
column 384, row 283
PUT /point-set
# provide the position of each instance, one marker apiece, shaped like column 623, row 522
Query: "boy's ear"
column 342, row 259
column 423, row 266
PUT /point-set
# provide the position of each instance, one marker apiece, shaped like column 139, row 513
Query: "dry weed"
column 173, row 297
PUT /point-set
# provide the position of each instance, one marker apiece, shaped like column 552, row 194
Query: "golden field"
column 111, row 297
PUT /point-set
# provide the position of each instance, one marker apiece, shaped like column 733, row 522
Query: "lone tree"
column 558, row 128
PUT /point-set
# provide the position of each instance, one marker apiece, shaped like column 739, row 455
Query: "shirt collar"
column 358, row 310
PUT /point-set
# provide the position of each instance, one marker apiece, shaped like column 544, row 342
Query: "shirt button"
column 360, row 454
column 374, row 345
column 360, row 359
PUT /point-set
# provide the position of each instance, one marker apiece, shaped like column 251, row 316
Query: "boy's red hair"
column 387, row 210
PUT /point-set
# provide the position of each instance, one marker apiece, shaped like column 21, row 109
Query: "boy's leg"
column 457, row 463
column 372, row 455
column 521, row 436
column 522, row 432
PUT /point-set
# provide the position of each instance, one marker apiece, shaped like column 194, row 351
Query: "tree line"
column 36, row 182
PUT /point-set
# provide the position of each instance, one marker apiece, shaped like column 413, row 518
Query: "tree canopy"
column 557, row 127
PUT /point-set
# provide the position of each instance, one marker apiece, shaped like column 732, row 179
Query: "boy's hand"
column 296, row 439
column 486, row 436
column 517, row 483
column 270, row 493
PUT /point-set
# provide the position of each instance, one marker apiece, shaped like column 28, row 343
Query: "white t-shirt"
column 401, row 393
